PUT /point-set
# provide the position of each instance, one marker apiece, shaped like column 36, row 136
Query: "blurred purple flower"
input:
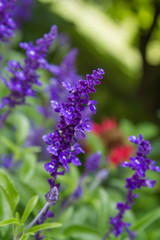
column 7, row 161
column 7, row 24
column 25, row 76
column 92, row 163
column 22, row 11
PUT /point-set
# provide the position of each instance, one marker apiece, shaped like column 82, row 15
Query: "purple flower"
column 7, row 161
column 139, row 164
column 93, row 162
column 24, row 76
column 22, row 11
column 7, row 24
column 62, row 143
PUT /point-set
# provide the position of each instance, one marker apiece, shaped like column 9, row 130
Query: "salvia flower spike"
column 140, row 164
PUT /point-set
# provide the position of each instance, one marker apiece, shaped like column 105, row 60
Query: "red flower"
column 120, row 154
column 107, row 124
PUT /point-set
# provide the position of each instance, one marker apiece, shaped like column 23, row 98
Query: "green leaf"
column 96, row 143
column 149, row 130
column 81, row 230
column 30, row 206
column 28, row 167
column 22, row 126
column 17, row 216
column 147, row 220
column 32, row 149
column 9, row 190
column 9, row 144
column 44, row 226
column 103, row 209
column 25, row 236
column 9, row 221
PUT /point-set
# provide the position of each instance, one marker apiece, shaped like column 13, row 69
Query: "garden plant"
column 63, row 176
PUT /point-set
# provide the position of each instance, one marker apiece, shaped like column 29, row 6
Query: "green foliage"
column 95, row 143
column 21, row 122
column 30, row 206
column 147, row 220
column 149, row 130
column 9, row 191
column 9, row 221
column 44, row 226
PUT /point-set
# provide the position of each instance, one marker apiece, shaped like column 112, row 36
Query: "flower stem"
column 107, row 234
column 47, row 205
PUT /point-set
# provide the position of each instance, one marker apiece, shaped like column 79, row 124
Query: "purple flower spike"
column 93, row 162
column 62, row 143
column 139, row 164
column 25, row 76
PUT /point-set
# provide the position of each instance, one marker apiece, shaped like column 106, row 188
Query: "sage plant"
column 25, row 76
column 140, row 164
column 62, row 144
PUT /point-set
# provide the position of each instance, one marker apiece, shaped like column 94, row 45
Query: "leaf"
column 44, row 226
column 95, row 143
column 103, row 209
column 32, row 149
column 147, row 220
column 30, row 206
column 9, row 221
column 13, row 147
column 22, row 126
column 9, row 190
column 28, row 167
column 67, row 214
column 25, row 236
column 149, row 130
column 127, row 127
column 81, row 230
column 8, row 143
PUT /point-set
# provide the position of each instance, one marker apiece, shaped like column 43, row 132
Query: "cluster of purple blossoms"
column 140, row 164
column 62, row 143
column 25, row 76
column 7, row 24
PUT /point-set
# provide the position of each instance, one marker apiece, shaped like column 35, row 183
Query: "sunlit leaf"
column 147, row 220
column 9, row 221
column 44, row 226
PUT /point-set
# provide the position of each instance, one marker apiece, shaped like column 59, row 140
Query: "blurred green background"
column 120, row 36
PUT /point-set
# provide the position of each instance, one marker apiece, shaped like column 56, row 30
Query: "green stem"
column 38, row 216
